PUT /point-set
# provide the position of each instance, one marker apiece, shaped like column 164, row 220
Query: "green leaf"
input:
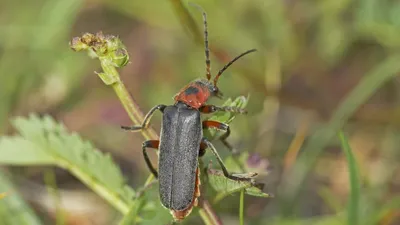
column 43, row 141
column 13, row 209
column 225, row 186
column 17, row 150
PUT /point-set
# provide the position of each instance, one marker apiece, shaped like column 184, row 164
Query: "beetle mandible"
column 181, row 139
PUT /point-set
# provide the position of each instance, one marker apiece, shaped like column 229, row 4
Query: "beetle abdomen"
column 180, row 139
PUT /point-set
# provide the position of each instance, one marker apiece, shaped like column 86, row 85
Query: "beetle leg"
column 245, row 177
column 146, row 120
column 223, row 127
column 213, row 108
column 150, row 144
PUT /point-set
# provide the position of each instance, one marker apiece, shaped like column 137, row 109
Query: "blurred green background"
column 321, row 65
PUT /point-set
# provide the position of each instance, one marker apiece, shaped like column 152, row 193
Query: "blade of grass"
column 292, row 183
column 354, row 200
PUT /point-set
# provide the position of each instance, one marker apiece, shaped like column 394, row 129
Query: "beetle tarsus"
column 146, row 120
column 133, row 128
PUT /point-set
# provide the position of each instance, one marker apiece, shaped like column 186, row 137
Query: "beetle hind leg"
column 150, row 144
column 243, row 177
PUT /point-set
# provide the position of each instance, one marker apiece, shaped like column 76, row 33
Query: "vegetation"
column 321, row 92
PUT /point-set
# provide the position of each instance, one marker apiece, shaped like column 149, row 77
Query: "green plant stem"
column 241, row 207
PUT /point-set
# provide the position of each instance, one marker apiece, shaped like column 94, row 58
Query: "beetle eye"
column 214, row 90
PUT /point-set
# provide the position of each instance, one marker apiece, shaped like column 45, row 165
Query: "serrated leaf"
column 225, row 186
column 44, row 141
column 17, row 150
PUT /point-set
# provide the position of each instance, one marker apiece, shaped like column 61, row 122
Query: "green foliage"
column 13, row 209
column 32, row 44
column 354, row 201
column 44, row 141
column 225, row 187
column 386, row 71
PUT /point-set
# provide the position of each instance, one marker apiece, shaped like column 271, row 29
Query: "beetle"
column 181, row 139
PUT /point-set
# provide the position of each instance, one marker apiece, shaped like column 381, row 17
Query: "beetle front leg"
column 213, row 108
column 150, row 144
column 146, row 120
column 244, row 177
column 223, row 127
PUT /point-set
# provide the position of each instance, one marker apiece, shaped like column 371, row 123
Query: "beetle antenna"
column 206, row 49
column 230, row 63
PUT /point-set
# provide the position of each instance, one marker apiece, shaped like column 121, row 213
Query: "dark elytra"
column 180, row 138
